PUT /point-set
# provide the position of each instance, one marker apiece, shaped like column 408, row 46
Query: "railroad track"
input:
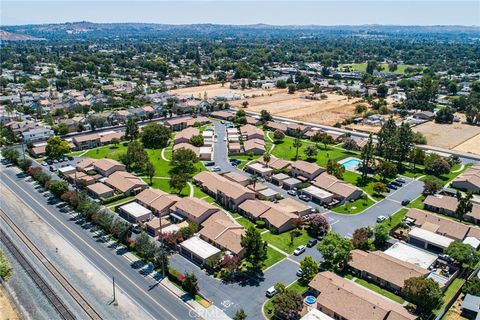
column 64, row 312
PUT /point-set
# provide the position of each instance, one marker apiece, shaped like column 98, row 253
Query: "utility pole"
column 161, row 244
column 113, row 279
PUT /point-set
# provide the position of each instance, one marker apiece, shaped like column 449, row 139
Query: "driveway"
column 248, row 295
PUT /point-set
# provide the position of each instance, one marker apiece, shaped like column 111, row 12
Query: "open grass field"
column 335, row 108
column 283, row 240
column 363, row 67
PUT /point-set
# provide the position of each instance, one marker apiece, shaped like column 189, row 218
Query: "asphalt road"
column 154, row 299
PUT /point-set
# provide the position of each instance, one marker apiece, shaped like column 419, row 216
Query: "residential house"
column 424, row 115
column 185, row 135
column 277, row 164
column 383, row 269
column 193, row 209
column 341, row 190
column 228, row 193
column 126, row 183
column 37, row 134
column 177, row 124
column 250, row 132
column 224, row 115
column 106, row 167
column 305, row 169
column 255, row 146
column 259, row 169
column 100, row 190
column 448, row 205
column 468, row 180
column 157, row 201
column 273, row 126
column 223, row 233
column 134, row 212
column 341, row 298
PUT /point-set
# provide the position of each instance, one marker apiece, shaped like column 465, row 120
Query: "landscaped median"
column 354, row 207
column 287, row 241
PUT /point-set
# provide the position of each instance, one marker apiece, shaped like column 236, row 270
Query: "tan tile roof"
column 124, row 181
column 330, row 183
column 193, row 206
column 147, row 196
column 276, row 126
column 85, row 163
column 187, row 146
column 99, row 188
column 471, row 175
column 249, row 130
column 187, row 133
column 215, row 183
column 236, row 177
column 292, row 206
column 354, row 302
column 106, row 164
column 444, row 202
column 223, row 231
column 305, row 166
column 385, row 267
column 278, row 218
column 276, row 163
column 446, row 227
column 254, row 207
column 108, row 137
column 249, row 145
column 175, row 121
column 191, row 122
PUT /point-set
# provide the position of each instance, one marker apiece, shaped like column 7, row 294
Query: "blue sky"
column 315, row 12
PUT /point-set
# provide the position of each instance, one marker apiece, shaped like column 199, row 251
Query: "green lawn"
column 395, row 219
column 417, row 203
column 354, row 178
column 245, row 222
column 354, row 207
column 379, row 290
column 110, row 152
column 273, row 256
column 283, row 242
column 114, row 203
column 163, row 184
column 297, row 286
column 363, row 67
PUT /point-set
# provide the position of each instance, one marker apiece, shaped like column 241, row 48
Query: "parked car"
column 136, row 229
column 381, row 219
column 292, row 192
column 311, row 242
column 70, row 158
column 445, row 257
column 209, row 163
column 401, row 180
column 392, row 186
column 299, row 250
column 270, row 292
column 44, row 164
column 299, row 273
column 216, row 169
column 405, row 202
column 303, row 197
column 52, row 169
column 395, row 183
column 49, row 161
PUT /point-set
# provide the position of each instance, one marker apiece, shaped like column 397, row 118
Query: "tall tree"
column 150, row 171
column 367, row 156
column 287, row 305
column 463, row 253
column 309, row 269
column 404, row 142
column 387, row 140
column 56, row 147
column 131, row 129
column 155, row 136
column 424, row 293
column 464, row 206
column 255, row 249
column 335, row 250
column 297, row 142
column 136, row 157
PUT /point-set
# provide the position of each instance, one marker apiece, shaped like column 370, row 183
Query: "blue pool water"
column 351, row 163
column 310, row 299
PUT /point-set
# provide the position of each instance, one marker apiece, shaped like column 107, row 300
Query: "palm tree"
column 253, row 180
column 266, row 158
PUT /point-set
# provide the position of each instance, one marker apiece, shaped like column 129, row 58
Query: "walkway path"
column 163, row 155
column 273, row 144
column 192, row 189
column 459, row 169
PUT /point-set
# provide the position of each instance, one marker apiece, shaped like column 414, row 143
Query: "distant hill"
column 10, row 36
column 90, row 30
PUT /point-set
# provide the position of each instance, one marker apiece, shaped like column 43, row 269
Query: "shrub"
column 5, row 267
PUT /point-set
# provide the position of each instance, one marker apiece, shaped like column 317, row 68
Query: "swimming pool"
column 350, row 163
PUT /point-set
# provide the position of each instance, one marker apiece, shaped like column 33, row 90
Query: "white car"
column 381, row 219
column 270, row 292
column 299, row 250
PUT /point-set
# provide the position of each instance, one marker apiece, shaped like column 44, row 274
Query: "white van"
column 270, row 292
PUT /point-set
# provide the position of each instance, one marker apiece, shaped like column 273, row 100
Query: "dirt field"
column 448, row 136
column 213, row 90
column 329, row 111
column 472, row 145
column 7, row 310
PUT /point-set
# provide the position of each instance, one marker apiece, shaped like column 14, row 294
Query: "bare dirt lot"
column 472, row 145
column 213, row 90
column 449, row 136
column 335, row 108
column 7, row 310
